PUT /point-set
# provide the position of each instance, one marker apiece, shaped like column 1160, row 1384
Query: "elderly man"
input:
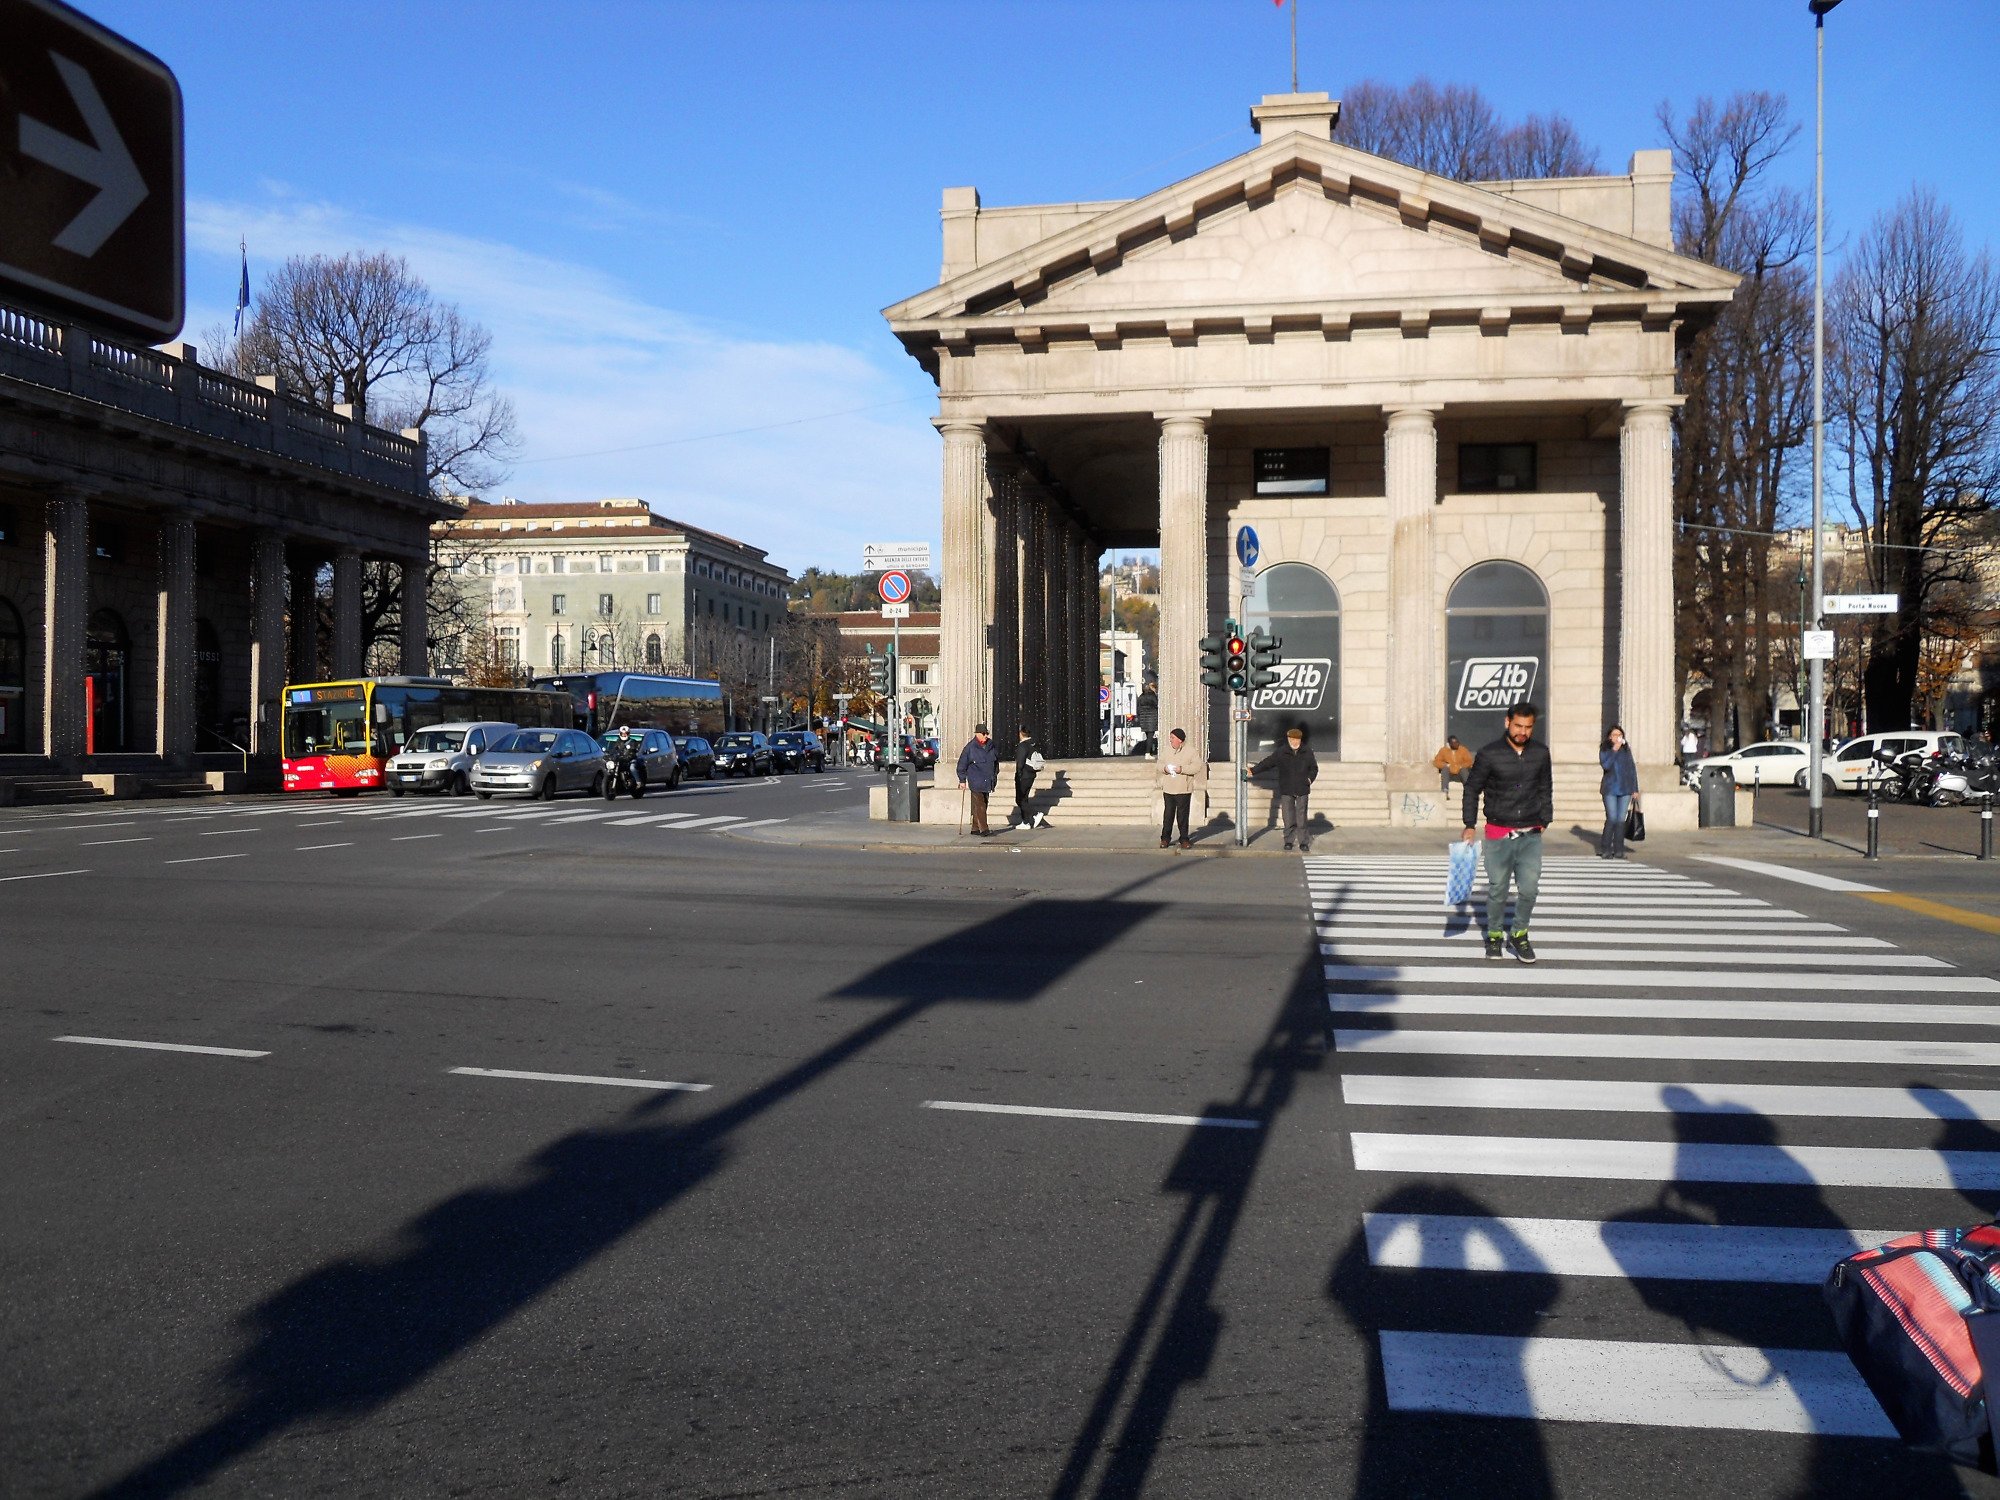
column 1298, row 769
column 979, row 773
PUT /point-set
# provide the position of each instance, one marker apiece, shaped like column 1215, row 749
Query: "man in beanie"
column 1298, row 769
column 979, row 773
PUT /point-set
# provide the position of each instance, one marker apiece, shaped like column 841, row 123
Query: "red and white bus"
column 338, row 736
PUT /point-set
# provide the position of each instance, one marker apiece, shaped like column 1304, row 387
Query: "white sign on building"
column 909, row 557
column 1860, row 604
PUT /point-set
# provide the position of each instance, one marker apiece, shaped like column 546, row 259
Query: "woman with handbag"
column 1620, row 789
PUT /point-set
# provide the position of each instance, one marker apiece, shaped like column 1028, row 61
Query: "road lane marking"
column 1677, row 1008
column 113, row 1041
column 1561, row 952
column 1715, row 1387
column 202, row 859
column 652, row 818
column 1567, row 1157
column 1619, row 1096
column 217, row 833
column 1714, row 979
column 617, row 1083
column 759, row 823
column 1224, row 1122
column 702, row 823
column 1979, row 921
column 44, row 875
column 1812, row 878
column 1892, row 1051
column 145, row 838
column 588, row 817
column 307, row 848
column 1585, row 1247
column 1455, row 931
column 404, row 838
column 322, row 823
column 1405, row 921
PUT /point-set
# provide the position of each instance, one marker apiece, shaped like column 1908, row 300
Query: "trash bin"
column 1718, row 797
column 905, row 796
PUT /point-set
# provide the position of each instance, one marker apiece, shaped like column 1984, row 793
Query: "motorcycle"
column 1949, row 783
column 623, row 775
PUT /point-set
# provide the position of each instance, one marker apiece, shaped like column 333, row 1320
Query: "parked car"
column 797, row 750
column 1854, row 764
column 697, row 756
column 662, row 761
column 439, row 759
column 742, row 753
column 540, row 763
column 1772, row 762
column 919, row 752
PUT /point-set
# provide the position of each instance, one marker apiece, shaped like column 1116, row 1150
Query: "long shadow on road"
column 349, row 1337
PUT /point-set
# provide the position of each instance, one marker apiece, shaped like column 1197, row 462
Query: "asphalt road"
column 744, row 1236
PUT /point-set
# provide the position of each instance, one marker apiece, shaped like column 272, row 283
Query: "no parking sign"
column 894, row 587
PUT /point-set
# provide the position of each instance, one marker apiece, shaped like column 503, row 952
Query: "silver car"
column 540, row 763
column 439, row 759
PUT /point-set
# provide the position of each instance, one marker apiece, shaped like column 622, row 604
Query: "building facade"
column 1444, row 408
column 581, row 586
column 919, row 683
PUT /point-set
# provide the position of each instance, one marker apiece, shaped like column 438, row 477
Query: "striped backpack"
column 1920, row 1317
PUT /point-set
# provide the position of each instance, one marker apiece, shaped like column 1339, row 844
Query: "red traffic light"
column 1236, row 646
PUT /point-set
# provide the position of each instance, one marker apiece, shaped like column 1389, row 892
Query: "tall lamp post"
column 1816, row 709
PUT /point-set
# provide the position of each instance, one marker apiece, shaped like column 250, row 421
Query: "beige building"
column 918, row 682
column 1443, row 407
column 585, row 585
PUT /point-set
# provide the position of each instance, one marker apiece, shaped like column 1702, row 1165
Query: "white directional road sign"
column 90, row 172
column 1860, row 604
column 880, row 557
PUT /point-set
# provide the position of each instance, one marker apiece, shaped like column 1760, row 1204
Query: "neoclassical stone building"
column 1445, row 409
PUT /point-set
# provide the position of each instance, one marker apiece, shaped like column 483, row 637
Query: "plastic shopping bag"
column 1464, row 864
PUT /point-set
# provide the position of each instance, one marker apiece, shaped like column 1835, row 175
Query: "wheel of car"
column 546, row 792
column 1828, row 786
column 597, row 785
column 461, row 785
column 819, row 768
column 395, row 791
column 674, row 779
column 1799, row 781
column 484, row 796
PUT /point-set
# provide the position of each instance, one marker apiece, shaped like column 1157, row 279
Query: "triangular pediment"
column 1302, row 222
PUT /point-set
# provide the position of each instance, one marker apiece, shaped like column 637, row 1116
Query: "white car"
column 1771, row 762
column 439, row 758
column 1853, row 765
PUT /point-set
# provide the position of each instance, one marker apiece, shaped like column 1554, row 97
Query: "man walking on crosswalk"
column 1516, row 775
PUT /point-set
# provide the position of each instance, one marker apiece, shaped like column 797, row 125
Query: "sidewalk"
column 1217, row 840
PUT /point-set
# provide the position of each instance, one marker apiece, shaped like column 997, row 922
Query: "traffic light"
column 1264, row 658
column 1211, row 660
column 1238, row 663
column 889, row 674
column 878, row 673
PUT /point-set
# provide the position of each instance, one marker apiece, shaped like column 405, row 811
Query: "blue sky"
column 682, row 219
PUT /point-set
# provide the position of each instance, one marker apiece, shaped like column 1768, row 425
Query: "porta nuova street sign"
column 91, row 196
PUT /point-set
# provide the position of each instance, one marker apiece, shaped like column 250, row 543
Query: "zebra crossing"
column 1684, row 1094
column 687, row 814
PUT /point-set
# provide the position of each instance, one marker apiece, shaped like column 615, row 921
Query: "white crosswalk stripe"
column 1642, row 972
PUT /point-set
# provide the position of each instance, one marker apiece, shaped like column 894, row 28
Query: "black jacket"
column 1022, row 750
column 1297, row 769
column 1520, row 785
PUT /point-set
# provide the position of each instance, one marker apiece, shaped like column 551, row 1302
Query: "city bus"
column 605, row 701
column 338, row 736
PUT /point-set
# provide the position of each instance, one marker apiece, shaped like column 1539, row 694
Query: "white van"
column 1853, row 765
column 439, row 758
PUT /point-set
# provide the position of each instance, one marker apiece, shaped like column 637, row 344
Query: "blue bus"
column 607, row 701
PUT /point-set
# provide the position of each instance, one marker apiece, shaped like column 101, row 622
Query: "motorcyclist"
column 623, row 749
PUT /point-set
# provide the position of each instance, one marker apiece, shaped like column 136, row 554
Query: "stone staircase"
column 48, row 791
column 1107, row 792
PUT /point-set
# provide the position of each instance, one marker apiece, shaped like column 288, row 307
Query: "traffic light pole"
column 1240, row 740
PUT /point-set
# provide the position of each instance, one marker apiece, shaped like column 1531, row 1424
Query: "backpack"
column 1920, row 1318
column 1035, row 761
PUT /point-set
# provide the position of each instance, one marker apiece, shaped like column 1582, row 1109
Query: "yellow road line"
column 1978, row 920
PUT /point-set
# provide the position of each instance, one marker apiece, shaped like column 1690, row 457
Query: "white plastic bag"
column 1464, row 865
column 1035, row 761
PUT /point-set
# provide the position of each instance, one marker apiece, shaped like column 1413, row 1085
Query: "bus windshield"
column 327, row 728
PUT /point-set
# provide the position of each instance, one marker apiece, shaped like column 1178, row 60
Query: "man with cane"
column 979, row 772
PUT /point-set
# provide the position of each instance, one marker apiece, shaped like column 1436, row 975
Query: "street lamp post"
column 1816, row 710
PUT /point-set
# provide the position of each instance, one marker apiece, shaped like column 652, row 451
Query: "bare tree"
column 1455, row 132
column 1917, row 398
column 1745, row 416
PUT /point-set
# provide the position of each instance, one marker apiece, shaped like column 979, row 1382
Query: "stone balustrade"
column 171, row 385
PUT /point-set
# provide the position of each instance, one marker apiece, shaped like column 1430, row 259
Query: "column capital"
column 1183, row 420
column 1412, row 414
column 1641, row 406
column 955, row 425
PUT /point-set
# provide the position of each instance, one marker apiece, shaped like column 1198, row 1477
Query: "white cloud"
column 591, row 367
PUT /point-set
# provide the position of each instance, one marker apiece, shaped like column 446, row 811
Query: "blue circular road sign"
column 1246, row 546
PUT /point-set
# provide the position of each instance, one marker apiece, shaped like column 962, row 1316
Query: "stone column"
column 1030, row 532
column 1647, row 703
column 66, row 623
column 304, row 607
column 267, row 641
column 173, row 667
column 1416, row 683
column 416, row 648
column 1091, row 640
column 962, row 628
column 1183, row 574
column 346, row 613
column 1062, row 635
column 1003, row 581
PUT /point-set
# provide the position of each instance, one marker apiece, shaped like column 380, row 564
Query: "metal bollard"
column 1986, row 830
column 1874, row 823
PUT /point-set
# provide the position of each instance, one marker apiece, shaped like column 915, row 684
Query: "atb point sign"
column 91, row 216
column 894, row 587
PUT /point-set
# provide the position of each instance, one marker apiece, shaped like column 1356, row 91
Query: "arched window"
column 13, row 681
column 1497, row 636
column 1298, row 604
column 107, row 655
column 653, row 653
column 556, row 652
